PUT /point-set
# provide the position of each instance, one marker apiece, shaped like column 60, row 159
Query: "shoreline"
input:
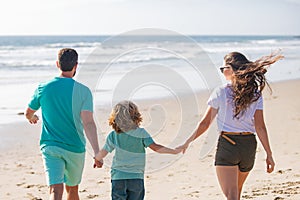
column 189, row 177
column 12, row 114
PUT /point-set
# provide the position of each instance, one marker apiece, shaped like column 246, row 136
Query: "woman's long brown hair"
column 249, row 78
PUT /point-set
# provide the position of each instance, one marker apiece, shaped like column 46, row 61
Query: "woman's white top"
column 221, row 99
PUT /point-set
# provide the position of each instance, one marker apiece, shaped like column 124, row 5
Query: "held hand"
column 183, row 147
column 177, row 150
column 98, row 163
column 34, row 119
column 270, row 164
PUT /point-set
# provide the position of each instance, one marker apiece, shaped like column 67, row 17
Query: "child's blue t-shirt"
column 129, row 159
column 62, row 100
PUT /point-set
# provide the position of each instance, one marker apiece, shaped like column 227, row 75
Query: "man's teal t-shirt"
column 62, row 100
column 129, row 159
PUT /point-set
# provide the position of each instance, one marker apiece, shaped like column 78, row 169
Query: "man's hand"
column 98, row 159
column 34, row 119
column 98, row 163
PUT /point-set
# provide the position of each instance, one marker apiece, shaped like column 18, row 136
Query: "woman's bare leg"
column 228, row 180
column 241, row 180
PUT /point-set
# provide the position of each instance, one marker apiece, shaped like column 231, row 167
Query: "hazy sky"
column 99, row 17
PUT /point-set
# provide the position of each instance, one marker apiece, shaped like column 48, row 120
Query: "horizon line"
column 76, row 35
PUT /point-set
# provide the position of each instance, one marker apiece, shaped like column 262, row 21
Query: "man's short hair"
column 67, row 59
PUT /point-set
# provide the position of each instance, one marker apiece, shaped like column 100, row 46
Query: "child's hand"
column 183, row 147
column 98, row 163
column 98, row 159
column 177, row 150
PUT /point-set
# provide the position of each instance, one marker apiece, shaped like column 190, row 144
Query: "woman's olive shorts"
column 241, row 154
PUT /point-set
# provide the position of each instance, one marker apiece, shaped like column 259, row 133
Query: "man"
column 67, row 109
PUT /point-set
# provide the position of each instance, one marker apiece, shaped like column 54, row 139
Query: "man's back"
column 67, row 108
column 62, row 100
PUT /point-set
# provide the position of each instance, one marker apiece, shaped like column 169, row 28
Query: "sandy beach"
column 22, row 173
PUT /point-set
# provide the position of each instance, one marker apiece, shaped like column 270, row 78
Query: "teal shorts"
column 62, row 166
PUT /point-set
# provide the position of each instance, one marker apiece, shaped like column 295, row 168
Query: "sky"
column 110, row 17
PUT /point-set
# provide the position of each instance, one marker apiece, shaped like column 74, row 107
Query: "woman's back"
column 221, row 99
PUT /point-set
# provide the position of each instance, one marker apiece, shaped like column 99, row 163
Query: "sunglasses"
column 222, row 69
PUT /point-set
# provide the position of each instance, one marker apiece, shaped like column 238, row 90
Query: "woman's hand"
column 183, row 147
column 177, row 150
column 270, row 164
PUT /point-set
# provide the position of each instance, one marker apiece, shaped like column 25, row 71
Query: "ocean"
column 133, row 67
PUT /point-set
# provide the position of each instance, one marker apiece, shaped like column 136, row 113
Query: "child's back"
column 129, row 142
column 129, row 158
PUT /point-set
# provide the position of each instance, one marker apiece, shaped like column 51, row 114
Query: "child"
column 129, row 142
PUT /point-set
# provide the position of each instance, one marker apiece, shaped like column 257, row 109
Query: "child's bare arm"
column 162, row 149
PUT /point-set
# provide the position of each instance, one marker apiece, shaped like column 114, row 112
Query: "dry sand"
column 22, row 175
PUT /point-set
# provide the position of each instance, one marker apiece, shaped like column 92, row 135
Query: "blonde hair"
column 125, row 116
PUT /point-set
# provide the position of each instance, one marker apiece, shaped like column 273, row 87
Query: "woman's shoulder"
column 225, row 88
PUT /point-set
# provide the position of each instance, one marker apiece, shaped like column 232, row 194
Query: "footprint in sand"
column 30, row 196
column 285, row 189
column 101, row 182
column 20, row 184
column 92, row 196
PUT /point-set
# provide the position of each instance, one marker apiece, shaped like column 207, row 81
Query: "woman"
column 239, row 109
